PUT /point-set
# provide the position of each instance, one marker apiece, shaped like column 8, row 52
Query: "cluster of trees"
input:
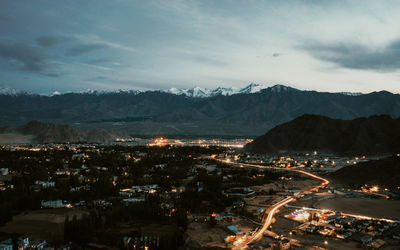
column 17, row 201
column 98, row 224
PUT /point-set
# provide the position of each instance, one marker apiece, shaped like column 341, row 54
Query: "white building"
column 54, row 204
column 46, row 184
column 4, row 171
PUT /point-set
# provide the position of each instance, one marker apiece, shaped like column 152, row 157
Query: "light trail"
column 270, row 215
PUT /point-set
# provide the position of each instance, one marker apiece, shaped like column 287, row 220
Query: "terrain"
column 40, row 132
column 249, row 112
column 361, row 136
column 383, row 172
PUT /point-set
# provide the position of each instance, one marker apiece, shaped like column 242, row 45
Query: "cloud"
column 49, row 41
column 4, row 18
column 83, row 49
column 202, row 59
column 53, row 75
column 26, row 57
column 356, row 56
column 97, row 40
column 276, row 54
column 98, row 61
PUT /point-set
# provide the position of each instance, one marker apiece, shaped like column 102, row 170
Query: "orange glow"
column 158, row 142
column 374, row 189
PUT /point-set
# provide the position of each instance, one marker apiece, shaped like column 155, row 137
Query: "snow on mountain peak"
column 10, row 91
column 205, row 92
column 197, row 92
column 252, row 88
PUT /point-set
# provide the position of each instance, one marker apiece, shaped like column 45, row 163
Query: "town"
column 167, row 196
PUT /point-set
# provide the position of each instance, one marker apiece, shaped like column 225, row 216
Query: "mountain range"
column 196, row 92
column 362, row 136
column 205, row 92
column 249, row 111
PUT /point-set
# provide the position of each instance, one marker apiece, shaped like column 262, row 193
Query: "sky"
column 64, row 45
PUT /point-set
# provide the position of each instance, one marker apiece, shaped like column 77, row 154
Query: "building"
column 128, row 201
column 179, row 189
column 53, row 204
column 6, row 245
column 4, row 171
column 234, row 230
column 284, row 244
column 38, row 244
column 23, row 243
column 46, row 184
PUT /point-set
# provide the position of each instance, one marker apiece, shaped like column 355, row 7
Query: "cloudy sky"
column 62, row 45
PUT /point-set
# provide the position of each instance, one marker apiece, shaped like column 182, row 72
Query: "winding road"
column 269, row 213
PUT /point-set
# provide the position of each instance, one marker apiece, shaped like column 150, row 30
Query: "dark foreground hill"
column 384, row 172
column 155, row 112
column 362, row 136
column 39, row 132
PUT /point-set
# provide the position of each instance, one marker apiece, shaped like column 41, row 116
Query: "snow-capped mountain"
column 196, row 92
column 351, row 93
column 205, row 92
column 193, row 92
column 10, row 91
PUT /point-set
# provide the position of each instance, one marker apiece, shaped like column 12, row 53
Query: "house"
column 211, row 168
column 38, row 244
column 23, row 243
column 366, row 239
column 331, row 218
column 4, row 171
column 180, row 189
column 237, row 204
column 224, row 218
column 284, row 244
column 234, row 230
column 53, row 204
column 79, row 156
column 201, row 218
column 46, row 184
column 378, row 243
column 160, row 166
column 6, row 245
column 128, row 201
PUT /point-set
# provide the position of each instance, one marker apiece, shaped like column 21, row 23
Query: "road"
column 269, row 213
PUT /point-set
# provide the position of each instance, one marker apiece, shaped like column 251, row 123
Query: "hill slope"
column 40, row 132
column 362, row 136
column 384, row 172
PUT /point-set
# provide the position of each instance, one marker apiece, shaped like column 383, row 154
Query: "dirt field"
column 45, row 224
column 380, row 208
column 205, row 235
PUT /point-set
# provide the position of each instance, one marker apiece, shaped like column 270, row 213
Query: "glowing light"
column 158, row 142
column 374, row 189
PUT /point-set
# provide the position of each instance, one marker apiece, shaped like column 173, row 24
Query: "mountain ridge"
column 378, row 134
column 195, row 92
column 160, row 113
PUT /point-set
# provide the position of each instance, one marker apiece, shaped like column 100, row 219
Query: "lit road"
column 274, row 208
